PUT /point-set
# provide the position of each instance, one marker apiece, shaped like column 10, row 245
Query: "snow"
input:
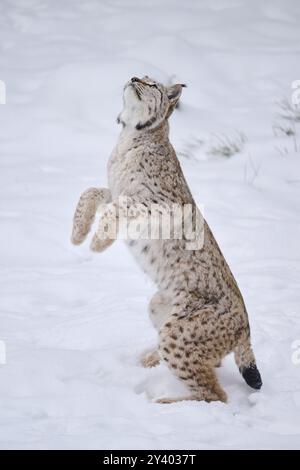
column 75, row 323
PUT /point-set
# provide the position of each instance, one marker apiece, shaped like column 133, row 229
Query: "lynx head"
column 147, row 103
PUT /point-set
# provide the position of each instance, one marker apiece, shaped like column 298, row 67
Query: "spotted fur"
column 198, row 311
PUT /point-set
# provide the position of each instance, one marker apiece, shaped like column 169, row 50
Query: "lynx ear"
column 174, row 92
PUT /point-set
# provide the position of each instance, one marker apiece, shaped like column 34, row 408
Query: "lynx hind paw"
column 169, row 400
column 165, row 401
column 208, row 397
column 150, row 359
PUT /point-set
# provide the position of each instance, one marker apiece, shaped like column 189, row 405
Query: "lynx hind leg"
column 191, row 358
column 85, row 212
column 245, row 360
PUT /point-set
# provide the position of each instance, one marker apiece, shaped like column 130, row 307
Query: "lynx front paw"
column 150, row 359
column 86, row 210
column 78, row 235
column 100, row 244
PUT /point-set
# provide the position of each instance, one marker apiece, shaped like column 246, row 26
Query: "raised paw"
column 85, row 212
column 100, row 244
column 80, row 231
column 150, row 359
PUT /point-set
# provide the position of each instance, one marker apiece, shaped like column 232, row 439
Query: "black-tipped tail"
column 252, row 376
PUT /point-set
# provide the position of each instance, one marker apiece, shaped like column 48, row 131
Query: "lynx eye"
column 149, row 82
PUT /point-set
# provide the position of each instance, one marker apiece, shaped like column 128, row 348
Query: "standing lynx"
column 198, row 311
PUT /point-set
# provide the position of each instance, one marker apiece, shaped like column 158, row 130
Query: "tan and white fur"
column 198, row 310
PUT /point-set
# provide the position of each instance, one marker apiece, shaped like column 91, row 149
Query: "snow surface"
column 74, row 323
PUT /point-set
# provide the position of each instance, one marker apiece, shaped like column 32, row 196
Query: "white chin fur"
column 134, row 110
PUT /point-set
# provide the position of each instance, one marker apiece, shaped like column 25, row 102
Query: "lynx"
column 198, row 311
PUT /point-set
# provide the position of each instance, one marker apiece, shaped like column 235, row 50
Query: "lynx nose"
column 135, row 79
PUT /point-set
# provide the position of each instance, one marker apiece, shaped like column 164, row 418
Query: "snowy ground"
column 74, row 323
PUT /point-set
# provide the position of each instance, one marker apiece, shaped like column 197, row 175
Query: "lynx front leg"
column 159, row 310
column 150, row 358
column 107, row 230
column 86, row 210
column 118, row 215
